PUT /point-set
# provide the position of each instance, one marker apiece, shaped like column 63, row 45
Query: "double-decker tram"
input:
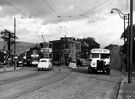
column 46, row 53
column 32, row 56
column 46, row 50
column 35, row 56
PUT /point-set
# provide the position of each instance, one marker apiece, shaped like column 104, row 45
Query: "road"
column 60, row 83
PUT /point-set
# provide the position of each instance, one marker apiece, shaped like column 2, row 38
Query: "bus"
column 99, row 60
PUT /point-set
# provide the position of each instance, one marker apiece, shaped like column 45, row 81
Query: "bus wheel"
column 108, row 71
column 89, row 70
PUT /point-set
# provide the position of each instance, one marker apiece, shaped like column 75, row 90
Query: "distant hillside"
column 23, row 46
column 20, row 46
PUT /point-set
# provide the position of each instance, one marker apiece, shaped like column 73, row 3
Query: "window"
column 43, row 61
column 105, row 56
column 95, row 55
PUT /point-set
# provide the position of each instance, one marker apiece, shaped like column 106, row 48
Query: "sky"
column 53, row 19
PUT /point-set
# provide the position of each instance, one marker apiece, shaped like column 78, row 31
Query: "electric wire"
column 16, row 8
column 80, row 15
column 42, row 6
column 126, row 5
column 100, row 4
column 50, row 7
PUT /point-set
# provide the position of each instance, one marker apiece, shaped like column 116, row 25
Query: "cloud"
column 78, row 18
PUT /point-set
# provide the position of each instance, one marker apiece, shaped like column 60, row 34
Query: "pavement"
column 9, row 69
column 127, row 90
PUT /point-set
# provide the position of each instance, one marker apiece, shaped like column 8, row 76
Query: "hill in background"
column 20, row 46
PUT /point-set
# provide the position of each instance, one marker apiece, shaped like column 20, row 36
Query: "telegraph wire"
column 16, row 8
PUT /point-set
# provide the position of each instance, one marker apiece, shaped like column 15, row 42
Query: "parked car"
column 82, row 62
column 20, row 63
column 56, row 63
column 44, row 64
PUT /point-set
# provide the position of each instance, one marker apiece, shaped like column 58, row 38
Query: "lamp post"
column 129, row 42
column 123, row 16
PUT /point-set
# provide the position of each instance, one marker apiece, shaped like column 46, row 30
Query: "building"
column 67, row 48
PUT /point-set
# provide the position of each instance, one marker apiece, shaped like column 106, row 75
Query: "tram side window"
column 95, row 55
column 50, row 55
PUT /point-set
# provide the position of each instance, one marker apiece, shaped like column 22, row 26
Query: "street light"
column 129, row 43
column 123, row 16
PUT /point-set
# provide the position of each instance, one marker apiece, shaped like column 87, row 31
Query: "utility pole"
column 131, row 43
column 14, row 42
column 124, row 28
column 9, row 36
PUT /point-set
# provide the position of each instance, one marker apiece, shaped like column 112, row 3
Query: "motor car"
column 44, row 64
column 20, row 63
column 72, row 64
column 56, row 63
column 82, row 62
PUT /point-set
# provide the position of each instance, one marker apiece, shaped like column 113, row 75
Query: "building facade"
column 67, row 48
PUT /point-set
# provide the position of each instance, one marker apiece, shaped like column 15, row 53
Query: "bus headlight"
column 93, row 64
column 107, row 63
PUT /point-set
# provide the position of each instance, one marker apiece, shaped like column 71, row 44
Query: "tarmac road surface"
column 60, row 83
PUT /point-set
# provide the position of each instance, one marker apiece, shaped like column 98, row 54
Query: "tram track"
column 12, row 80
column 60, row 75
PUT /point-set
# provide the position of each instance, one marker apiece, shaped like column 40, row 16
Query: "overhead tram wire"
column 42, row 6
column 127, row 5
column 84, row 14
column 16, row 8
column 50, row 7
column 100, row 4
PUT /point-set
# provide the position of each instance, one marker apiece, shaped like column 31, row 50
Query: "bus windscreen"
column 95, row 55
column 103, row 56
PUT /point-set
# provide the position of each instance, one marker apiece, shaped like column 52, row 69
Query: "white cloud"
column 103, row 26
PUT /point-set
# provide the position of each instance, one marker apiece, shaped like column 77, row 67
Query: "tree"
column 8, row 38
column 124, row 47
column 124, row 34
